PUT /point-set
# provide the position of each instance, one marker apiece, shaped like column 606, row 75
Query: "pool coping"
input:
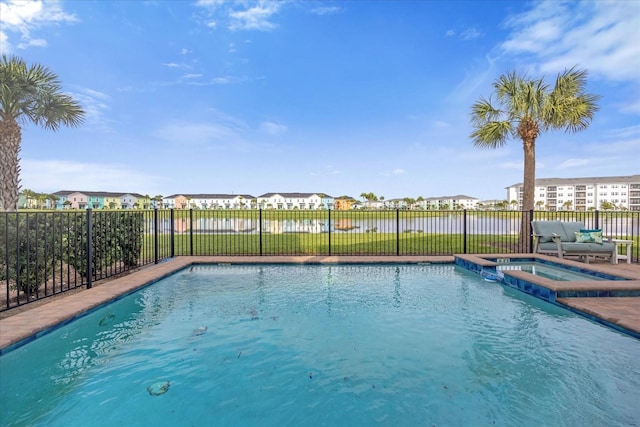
column 30, row 324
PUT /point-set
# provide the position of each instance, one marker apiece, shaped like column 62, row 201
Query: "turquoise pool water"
column 325, row 345
column 548, row 271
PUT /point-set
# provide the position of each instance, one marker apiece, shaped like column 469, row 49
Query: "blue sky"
column 343, row 97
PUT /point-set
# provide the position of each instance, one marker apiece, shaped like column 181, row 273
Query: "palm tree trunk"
column 529, row 189
column 10, row 137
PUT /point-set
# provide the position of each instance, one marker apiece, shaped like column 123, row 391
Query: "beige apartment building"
column 582, row 194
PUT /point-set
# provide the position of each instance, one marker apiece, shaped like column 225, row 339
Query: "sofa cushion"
column 569, row 230
column 547, row 229
column 581, row 248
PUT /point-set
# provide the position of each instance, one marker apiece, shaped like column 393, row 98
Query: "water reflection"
column 446, row 224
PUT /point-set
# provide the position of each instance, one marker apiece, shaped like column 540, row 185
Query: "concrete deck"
column 32, row 320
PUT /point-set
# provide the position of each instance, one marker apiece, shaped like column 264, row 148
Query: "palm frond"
column 33, row 94
column 492, row 134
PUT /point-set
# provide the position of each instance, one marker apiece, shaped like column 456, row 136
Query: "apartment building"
column 459, row 201
column 582, row 194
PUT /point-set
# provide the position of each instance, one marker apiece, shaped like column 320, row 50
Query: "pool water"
column 547, row 270
column 324, row 345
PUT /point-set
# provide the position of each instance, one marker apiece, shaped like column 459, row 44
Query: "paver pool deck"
column 31, row 322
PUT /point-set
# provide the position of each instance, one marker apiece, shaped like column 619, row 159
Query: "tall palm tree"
column 526, row 107
column 28, row 195
column 28, row 94
column 54, row 201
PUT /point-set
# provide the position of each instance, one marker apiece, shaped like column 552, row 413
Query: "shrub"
column 116, row 237
column 30, row 249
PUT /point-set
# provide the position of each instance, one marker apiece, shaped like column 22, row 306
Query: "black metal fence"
column 46, row 253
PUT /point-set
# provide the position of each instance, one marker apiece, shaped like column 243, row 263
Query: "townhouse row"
column 551, row 194
column 283, row 201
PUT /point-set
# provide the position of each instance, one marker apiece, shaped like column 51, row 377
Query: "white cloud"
column 241, row 15
column 95, row 105
column 272, row 129
column 195, row 133
column 394, row 172
column 470, row 33
column 192, row 79
column 55, row 175
column 222, row 132
column 34, row 43
column 467, row 34
column 210, row 3
column 24, row 17
column 599, row 36
column 326, row 10
column 514, row 165
column 254, row 18
column 626, row 132
column 573, row 163
column 630, row 107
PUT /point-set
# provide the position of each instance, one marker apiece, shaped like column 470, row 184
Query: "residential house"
column 209, row 201
column 134, row 201
column 344, row 203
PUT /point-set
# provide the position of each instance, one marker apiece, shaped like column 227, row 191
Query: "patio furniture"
column 565, row 238
column 627, row 254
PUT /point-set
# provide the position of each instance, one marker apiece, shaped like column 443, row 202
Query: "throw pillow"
column 589, row 236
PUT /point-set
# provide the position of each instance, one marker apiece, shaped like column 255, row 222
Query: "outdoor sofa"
column 564, row 238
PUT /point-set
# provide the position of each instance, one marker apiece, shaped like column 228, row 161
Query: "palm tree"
column 28, row 195
column 41, row 198
column 53, row 199
column 607, row 206
column 369, row 197
column 27, row 94
column 526, row 107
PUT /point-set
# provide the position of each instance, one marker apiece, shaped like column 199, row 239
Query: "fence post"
column 530, row 249
column 597, row 219
column 464, row 231
column 329, row 229
column 191, row 231
column 89, row 250
column 172, row 236
column 397, row 232
column 260, row 229
column 156, row 246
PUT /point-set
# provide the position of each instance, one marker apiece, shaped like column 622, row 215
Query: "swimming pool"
column 549, row 271
column 325, row 345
